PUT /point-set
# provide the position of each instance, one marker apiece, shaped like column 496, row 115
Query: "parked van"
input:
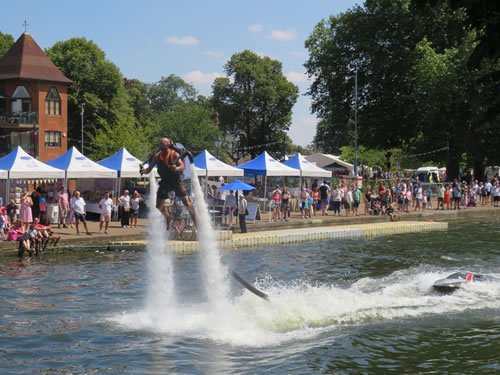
column 428, row 174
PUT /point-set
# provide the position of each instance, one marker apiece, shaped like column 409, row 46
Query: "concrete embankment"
column 228, row 240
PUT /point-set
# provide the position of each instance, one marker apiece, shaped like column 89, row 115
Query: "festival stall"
column 20, row 171
column 93, row 180
column 265, row 165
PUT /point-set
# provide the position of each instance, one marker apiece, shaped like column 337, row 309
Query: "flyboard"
column 249, row 287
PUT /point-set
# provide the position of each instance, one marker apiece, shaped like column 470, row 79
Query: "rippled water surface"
column 351, row 306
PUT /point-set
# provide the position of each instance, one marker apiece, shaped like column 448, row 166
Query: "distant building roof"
column 26, row 60
column 328, row 161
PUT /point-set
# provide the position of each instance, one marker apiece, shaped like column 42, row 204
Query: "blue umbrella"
column 237, row 185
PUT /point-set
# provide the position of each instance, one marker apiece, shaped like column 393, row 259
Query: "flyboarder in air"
column 170, row 168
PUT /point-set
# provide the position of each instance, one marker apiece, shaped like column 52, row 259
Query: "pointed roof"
column 26, row 60
column 78, row 166
column 266, row 165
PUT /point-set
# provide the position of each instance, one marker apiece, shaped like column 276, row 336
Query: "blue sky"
column 192, row 39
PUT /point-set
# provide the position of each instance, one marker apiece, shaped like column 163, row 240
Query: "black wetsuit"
column 171, row 180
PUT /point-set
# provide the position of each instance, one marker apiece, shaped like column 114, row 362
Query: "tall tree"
column 254, row 102
column 165, row 94
column 6, row 41
column 97, row 83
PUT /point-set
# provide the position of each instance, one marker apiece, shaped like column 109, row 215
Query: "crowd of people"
column 387, row 198
column 29, row 223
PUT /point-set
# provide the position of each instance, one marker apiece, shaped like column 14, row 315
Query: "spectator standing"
column 367, row 198
column 336, row 198
column 356, row 199
column 63, row 203
column 79, row 208
column 124, row 202
column 70, row 218
column 230, row 207
column 285, row 203
column 35, row 197
column 316, row 197
column 134, row 208
column 106, row 206
column 348, row 201
column 12, row 211
column 440, row 195
column 276, row 196
column 26, row 215
column 43, row 209
column 242, row 209
column 324, row 193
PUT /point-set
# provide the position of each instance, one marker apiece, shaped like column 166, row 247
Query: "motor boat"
column 457, row 279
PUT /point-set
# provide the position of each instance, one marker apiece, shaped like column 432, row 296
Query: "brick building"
column 33, row 102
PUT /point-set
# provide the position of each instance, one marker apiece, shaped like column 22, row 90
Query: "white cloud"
column 282, row 35
column 197, row 77
column 298, row 54
column 214, row 54
column 256, row 28
column 186, row 40
column 297, row 77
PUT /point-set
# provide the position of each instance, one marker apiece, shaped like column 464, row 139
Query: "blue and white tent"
column 19, row 165
column 75, row 165
column 306, row 168
column 209, row 166
column 124, row 163
column 266, row 165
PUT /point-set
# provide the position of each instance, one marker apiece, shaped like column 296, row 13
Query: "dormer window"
column 53, row 102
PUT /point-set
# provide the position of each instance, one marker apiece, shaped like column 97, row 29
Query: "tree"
column 255, row 107
column 189, row 123
column 6, row 41
column 109, row 120
column 170, row 91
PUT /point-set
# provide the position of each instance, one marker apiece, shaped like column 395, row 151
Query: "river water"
column 344, row 306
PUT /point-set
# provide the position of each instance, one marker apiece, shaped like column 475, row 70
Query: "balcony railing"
column 19, row 118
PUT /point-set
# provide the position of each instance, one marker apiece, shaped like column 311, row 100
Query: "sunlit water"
column 344, row 306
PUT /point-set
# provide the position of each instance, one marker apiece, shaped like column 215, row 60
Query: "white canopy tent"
column 75, row 165
column 209, row 166
column 20, row 165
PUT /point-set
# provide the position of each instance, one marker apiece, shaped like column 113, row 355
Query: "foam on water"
column 300, row 310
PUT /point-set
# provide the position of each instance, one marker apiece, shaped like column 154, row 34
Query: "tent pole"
column 7, row 193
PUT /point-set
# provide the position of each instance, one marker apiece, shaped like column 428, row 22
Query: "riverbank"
column 118, row 234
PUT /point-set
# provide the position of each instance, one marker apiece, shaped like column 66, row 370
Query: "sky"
column 151, row 39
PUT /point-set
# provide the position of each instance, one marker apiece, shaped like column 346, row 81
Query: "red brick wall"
column 38, row 91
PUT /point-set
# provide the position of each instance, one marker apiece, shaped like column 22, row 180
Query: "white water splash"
column 215, row 274
column 301, row 310
column 160, row 295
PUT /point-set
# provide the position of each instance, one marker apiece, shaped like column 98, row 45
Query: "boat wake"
column 301, row 310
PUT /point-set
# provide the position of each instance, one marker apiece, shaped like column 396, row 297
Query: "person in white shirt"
column 124, row 202
column 80, row 210
column 106, row 206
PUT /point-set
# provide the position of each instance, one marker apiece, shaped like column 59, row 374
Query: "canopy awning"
column 19, row 164
column 124, row 163
column 75, row 165
column 266, row 165
column 210, row 166
column 307, row 168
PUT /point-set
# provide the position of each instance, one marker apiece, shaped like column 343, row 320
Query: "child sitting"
column 391, row 213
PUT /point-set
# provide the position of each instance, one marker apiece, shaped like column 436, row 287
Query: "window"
column 52, row 139
column 53, row 102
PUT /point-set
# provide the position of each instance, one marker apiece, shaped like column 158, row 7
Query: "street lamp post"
column 218, row 143
column 356, row 123
column 81, row 114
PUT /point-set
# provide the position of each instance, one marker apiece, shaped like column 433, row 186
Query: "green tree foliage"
column 109, row 119
column 190, row 123
column 415, row 91
column 255, row 106
column 169, row 92
column 6, row 41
